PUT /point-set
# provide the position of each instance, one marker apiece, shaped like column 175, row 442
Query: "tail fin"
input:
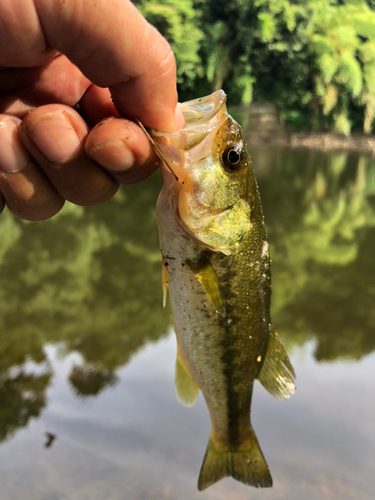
column 246, row 464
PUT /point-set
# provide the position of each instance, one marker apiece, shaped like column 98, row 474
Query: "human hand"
column 101, row 54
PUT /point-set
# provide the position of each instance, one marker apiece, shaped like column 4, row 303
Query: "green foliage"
column 330, row 37
column 313, row 58
column 179, row 23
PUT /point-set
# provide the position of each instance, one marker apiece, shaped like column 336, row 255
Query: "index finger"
column 114, row 46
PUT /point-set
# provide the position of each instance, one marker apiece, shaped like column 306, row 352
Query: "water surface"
column 87, row 353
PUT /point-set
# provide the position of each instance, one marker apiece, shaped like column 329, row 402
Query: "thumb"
column 114, row 46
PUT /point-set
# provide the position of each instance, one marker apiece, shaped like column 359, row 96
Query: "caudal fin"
column 246, row 464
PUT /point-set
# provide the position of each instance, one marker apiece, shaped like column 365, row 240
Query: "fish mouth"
column 202, row 116
column 200, row 112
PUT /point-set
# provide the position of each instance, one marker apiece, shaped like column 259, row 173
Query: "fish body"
column 217, row 265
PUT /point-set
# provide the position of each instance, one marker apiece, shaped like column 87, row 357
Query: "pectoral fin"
column 186, row 389
column 277, row 374
column 207, row 277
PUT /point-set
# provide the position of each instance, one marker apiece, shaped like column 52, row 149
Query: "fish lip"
column 201, row 117
column 200, row 111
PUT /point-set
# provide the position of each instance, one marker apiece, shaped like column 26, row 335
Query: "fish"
column 216, row 266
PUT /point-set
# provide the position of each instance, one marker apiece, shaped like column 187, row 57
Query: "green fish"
column 216, row 263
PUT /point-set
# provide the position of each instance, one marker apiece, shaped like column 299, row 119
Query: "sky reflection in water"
column 80, row 311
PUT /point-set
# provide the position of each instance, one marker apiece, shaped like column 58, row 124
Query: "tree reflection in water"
column 89, row 279
column 22, row 397
column 320, row 214
column 90, row 381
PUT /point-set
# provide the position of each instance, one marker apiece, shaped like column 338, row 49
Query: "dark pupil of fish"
column 233, row 156
column 232, row 159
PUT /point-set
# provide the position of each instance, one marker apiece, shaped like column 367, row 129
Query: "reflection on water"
column 81, row 294
column 87, row 278
column 320, row 213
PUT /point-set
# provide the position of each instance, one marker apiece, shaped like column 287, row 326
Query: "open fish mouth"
column 200, row 112
column 202, row 116
column 196, row 141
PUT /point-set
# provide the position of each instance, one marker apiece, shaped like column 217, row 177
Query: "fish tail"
column 245, row 464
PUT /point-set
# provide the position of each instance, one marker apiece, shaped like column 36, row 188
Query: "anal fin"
column 207, row 277
column 277, row 374
column 186, row 389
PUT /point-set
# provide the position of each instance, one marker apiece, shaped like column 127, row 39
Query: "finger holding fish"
column 51, row 155
column 122, row 149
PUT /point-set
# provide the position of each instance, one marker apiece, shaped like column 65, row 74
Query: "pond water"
column 87, row 353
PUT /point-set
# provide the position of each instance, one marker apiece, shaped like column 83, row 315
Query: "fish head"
column 207, row 174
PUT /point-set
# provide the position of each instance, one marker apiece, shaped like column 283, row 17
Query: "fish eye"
column 232, row 158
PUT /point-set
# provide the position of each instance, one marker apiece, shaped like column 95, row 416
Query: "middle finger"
column 55, row 135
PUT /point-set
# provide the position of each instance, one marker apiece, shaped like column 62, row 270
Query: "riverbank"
column 262, row 127
column 315, row 140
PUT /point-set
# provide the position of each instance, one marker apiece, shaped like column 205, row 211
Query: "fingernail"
column 13, row 154
column 54, row 136
column 179, row 118
column 113, row 155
